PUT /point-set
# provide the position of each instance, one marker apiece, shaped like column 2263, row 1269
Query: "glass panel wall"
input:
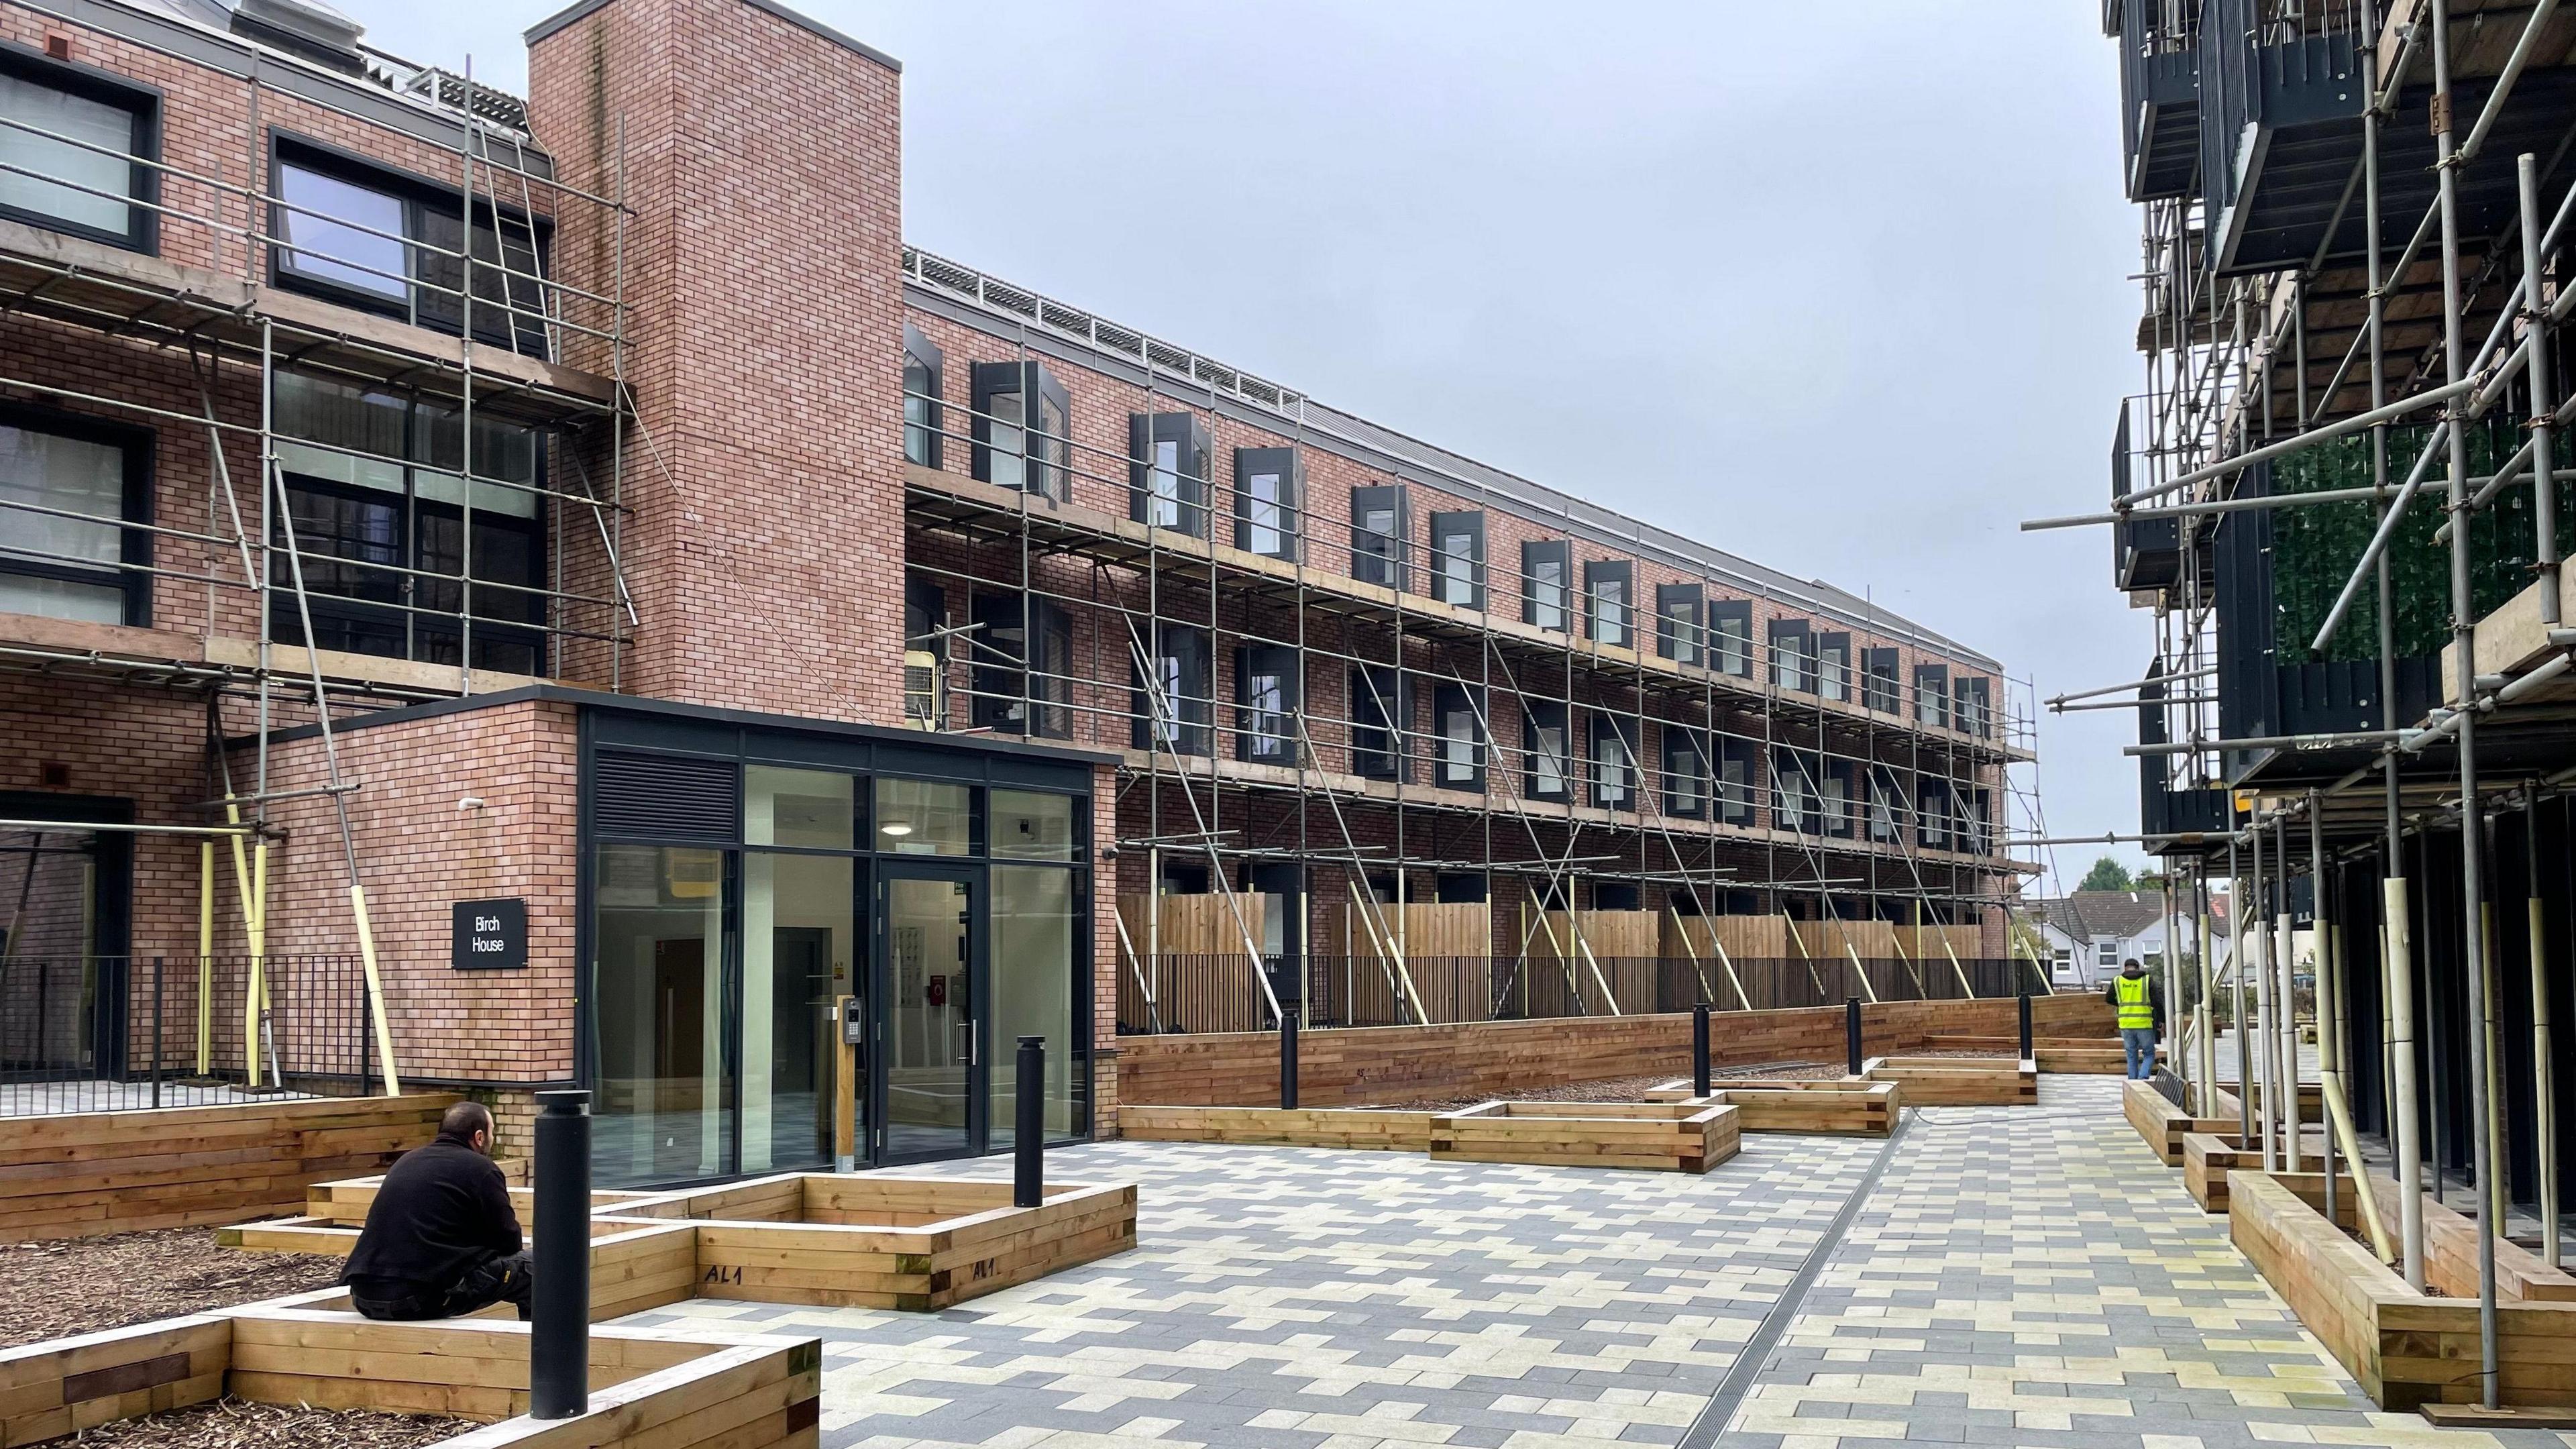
column 664, row 1099
column 1033, row 993
column 799, row 940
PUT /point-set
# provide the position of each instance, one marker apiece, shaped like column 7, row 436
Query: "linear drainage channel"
column 1718, row 1414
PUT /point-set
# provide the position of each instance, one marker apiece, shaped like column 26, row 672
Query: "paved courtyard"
column 1997, row 1276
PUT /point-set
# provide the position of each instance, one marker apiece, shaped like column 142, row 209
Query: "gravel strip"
column 50, row 1290
column 238, row 1424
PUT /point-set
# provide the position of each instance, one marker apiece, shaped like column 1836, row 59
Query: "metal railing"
column 118, row 1034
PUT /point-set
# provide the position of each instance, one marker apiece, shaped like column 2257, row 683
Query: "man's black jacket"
column 443, row 1209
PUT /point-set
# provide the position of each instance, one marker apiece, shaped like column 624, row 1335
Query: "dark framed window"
column 1265, row 697
column 1609, row 602
column 1022, row 428
column 1685, row 772
column 1459, row 888
column 1976, row 820
column 1739, row 772
column 1381, row 522
column 1618, row 895
column 74, row 567
column 1933, row 813
column 1269, row 502
column 1020, row 689
column 1167, row 471
column 1177, row 704
column 376, row 495
column 1680, row 627
column 1833, row 658
column 1932, row 695
column 1796, row 806
column 1614, row 763
column 87, row 184
column 366, row 236
column 1457, row 723
column 923, row 371
column 1973, row 700
column 1793, row 664
column 1548, row 750
column 1878, row 685
column 1838, row 792
column 1546, row 567
column 1377, row 721
column 1890, row 805
column 1458, row 558
column 1730, row 628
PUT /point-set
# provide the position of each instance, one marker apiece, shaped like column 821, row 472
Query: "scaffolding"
column 202, row 302
column 2352, row 316
column 1736, row 770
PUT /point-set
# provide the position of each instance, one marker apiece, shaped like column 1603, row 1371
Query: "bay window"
column 1545, row 741
column 1174, row 706
column 1730, row 624
column 1167, row 472
column 1606, row 590
column 1269, row 491
column 1458, row 559
column 1544, row 568
column 923, row 368
column 1381, row 521
column 1614, row 766
column 1023, row 674
column 1457, row 715
column 1678, row 630
column 1265, row 693
column 1377, row 721
column 1685, row 772
column 1021, row 432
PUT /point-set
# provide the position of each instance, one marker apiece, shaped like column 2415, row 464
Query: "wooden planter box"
column 2209, row 1158
column 860, row 1241
column 1658, row 1136
column 1959, row 1081
column 2082, row 1056
column 1842, row 1107
column 2405, row 1349
column 1346, row 1127
column 2163, row 1124
column 649, row 1388
column 83, row 1174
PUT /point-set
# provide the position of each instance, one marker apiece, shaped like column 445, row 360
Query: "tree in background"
column 2106, row 875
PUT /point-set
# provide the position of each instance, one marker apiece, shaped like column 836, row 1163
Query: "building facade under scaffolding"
column 502, row 592
column 2340, row 494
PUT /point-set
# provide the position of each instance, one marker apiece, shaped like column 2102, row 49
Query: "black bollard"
column 1699, row 1050
column 2025, row 1026
column 1028, row 1126
column 1851, row 1033
column 559, row 1333
column 1287, row 1059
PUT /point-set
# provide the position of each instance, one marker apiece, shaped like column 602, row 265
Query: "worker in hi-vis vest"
column 2141, row 1013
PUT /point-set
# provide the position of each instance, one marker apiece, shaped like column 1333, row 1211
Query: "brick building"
column 511, row 592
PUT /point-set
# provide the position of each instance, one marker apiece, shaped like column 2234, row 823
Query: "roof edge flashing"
column 582, row 9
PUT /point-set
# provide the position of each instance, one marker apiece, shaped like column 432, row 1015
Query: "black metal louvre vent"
column 667, row 797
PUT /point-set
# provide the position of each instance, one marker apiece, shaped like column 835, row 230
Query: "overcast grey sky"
column 1846, row 295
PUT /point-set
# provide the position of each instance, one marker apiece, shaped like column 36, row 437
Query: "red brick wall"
column 763, row 267
column 419, row 852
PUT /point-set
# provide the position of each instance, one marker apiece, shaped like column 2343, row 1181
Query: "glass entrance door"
column 930, row 1061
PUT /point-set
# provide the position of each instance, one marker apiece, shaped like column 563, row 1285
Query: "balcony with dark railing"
column 2159, row 94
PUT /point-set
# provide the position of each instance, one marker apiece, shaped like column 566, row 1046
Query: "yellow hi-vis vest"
column 2134, row 1007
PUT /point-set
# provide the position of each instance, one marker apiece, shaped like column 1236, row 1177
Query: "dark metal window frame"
column 1265, row 661
column 1192, row 447
column 522, row 325
column 1596, row 573
column 136, row 446
column 1685, row 757
column 922, row 406
column 1736, row 801
column 1290, row 468
column 143, row 102
column 1544, row 714
column 1881, row 690
column 1608, row 794
column 1002, row 680
column 1379, row 556
column 1044, row 471
column 1835, row 648
column 1932, row 695
column 1470, row 523
column 1681, row 628
column 1378, row 698
column 1792, row 642
column 1561, row 553
column 1193, row 710
column 1460, row 701
column 1730, row 636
